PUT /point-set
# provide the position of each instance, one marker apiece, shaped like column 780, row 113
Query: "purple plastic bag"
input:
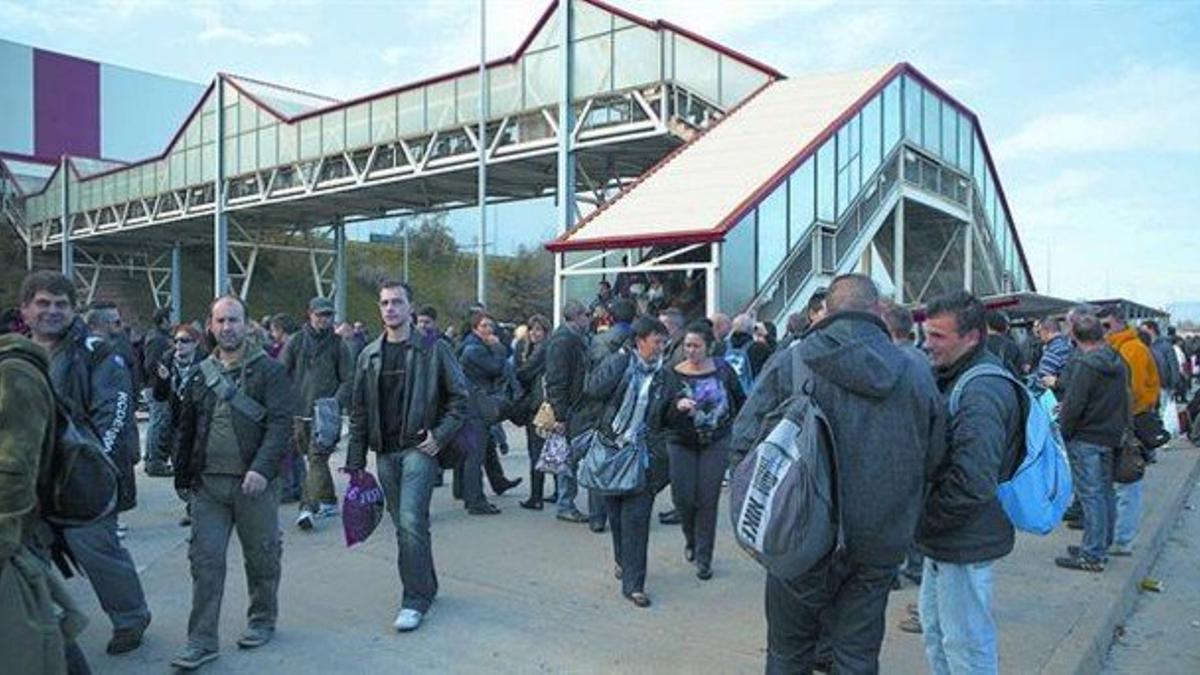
column 362, row 507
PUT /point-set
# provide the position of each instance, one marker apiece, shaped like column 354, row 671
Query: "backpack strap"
column 804, row 384
column 1024, row 401
column 219, row 383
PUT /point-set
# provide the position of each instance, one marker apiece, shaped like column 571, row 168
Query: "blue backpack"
column 1039, row 491
column 739, row 360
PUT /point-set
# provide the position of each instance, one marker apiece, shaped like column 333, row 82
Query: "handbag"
column 1130, row 464
column 1148, row 428
column 327, row 424
column 544, row 420
column 611, row 469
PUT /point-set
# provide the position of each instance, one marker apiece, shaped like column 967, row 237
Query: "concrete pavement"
column 522, row 592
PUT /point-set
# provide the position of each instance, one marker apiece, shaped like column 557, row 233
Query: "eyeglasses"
column 325, row 314
column 184, row 340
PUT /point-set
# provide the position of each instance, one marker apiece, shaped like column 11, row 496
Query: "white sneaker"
column 305, row 520
column 327, row 510
column 408, row 620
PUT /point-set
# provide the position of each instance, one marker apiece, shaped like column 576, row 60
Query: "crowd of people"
column 245, row 415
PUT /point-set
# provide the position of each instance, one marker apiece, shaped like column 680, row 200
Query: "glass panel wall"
column 738, row 265
column 772, row 233
column 802, row 203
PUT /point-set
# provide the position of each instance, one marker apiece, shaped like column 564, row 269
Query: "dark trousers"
column 491, row 460
column 629, row 516
column 478, row 456
column 537, row 479
column 696, row 473
column 107, row 565
column 849, row 598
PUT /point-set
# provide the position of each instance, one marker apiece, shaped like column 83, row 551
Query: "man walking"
column 484, row 364
column 408, row 401
column 1094, row 417
column 155, row 352
column 322, row 368
column 233, row 432
column 1144, row 390
column 566, row 373
column 888, row 423
column 39, row 621
column 94, row 383
column 963, row 529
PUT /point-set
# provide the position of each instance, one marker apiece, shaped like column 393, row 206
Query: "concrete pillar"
column 481, row 261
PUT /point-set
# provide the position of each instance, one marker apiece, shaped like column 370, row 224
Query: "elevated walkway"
column 878, row 171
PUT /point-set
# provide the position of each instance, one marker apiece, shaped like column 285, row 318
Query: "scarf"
column 631, row 416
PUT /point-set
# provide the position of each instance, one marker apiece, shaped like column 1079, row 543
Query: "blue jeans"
column 567, row 489
column 1092, row 470
column 956, row 616
column 1129, row 513
column 407, row 478
column 158, row 430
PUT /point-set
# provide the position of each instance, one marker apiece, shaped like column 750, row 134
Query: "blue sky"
column 1092, row 109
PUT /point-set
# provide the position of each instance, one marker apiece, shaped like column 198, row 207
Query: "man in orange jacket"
column 1144, row 385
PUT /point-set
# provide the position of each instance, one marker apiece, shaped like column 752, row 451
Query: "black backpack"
column 78, row 486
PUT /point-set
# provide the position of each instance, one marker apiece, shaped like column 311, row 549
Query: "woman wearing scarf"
column 530, row 360
column 630, row 382
column 173, row 375
column 704, row 398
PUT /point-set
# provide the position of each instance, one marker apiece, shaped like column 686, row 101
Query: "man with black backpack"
column 887, row 426
column 94, row 383
column 234, row 428
column 38, row 618
column 964, row 528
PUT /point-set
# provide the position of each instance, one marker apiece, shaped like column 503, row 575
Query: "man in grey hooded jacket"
column 889, row 429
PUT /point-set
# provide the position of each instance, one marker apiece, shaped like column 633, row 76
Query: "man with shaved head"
column 235, row 426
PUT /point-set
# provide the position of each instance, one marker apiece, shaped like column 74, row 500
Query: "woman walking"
column 630, row 384
column 704, row 399
column 172, row 377
column 530, row 361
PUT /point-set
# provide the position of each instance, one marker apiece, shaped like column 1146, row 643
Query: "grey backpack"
column 783, row 496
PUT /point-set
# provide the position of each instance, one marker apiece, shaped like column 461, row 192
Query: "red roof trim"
column 631, row 241
column 283, row 87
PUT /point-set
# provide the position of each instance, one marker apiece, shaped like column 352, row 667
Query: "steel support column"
column 176, row 283
column 712, row 284
column 220, row 219
column 566, row 157
column 340, row 289
column 898, row 250
column 481, row 261
column 969, row 258
column 68, row 248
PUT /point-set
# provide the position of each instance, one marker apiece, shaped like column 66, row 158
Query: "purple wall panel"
column 66, row 104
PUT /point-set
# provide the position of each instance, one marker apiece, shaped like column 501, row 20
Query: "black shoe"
column 125, row 640
column 597, row 526
column 671, row 517
column 484, row 509
column 571, row 517
column 255, row 637
column 639, row 599
column 508, row 485
column 531, row 504
column 159, row 470
column 703, row 572
column 1081, row 564
column 1074, row 524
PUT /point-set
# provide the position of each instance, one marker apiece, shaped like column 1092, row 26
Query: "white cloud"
column 1142, row 109
column 216, row 30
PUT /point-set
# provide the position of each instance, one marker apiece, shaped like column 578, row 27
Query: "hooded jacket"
column 1166, row 362
column 1143, row 374
column 888, row 425
column 1095, row 402
column 963, row 521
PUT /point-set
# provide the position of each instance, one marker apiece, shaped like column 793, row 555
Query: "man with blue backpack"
column 964, row 529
